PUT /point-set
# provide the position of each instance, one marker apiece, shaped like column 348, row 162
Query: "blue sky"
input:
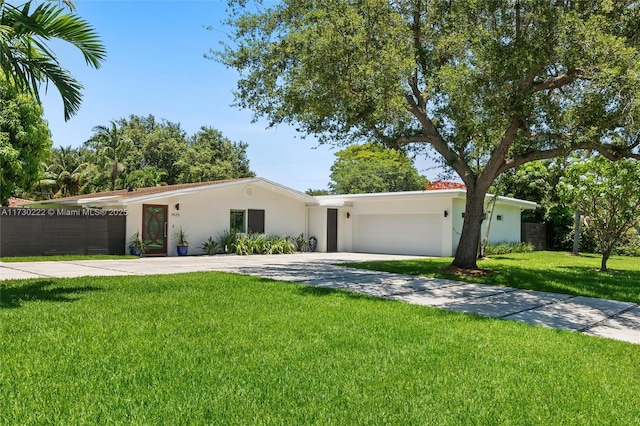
column 156, row 65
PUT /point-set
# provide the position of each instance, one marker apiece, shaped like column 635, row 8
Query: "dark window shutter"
column 256, row 221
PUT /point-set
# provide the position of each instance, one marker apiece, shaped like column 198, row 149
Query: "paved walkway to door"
column 599, row 317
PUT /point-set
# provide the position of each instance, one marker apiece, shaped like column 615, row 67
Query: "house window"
column 247, row 221
column 499, row 217
column 236, row 221
column 255, row 221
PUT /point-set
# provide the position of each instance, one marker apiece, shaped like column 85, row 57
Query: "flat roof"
column 348, row 199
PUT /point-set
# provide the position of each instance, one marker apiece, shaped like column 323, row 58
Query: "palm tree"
column 109, row 144
column 65, row 171
column 27, row 60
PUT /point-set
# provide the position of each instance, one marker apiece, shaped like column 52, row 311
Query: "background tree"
column 531, row 182
column 489, row 86
column 66, row 171
column 607, row 195
column 25, row 140
column 109, row 144
column 25, row 55
column 140, row 152
column 372, row 168
column 144, row 178
column 317, row 192
column 211, row 156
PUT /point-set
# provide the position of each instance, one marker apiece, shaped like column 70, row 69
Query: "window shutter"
column 256, row 221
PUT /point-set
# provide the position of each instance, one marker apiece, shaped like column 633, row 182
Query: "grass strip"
column 556, row 272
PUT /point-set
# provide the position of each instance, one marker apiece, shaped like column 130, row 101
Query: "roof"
column 348, row 199
column 126, row 196
column 17, row 202
column 444, row 184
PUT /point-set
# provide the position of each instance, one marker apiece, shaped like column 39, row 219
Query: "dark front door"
column 332, row 230
column 154, row 228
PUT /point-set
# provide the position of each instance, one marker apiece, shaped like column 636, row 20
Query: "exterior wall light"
column 446, row 213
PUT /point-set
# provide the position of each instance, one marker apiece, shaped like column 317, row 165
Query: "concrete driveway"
column 598, row 317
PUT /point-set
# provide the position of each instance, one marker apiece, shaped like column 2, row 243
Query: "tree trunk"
column 576, row 234
column 487, row 229
column 467, row 251
column 605, row 257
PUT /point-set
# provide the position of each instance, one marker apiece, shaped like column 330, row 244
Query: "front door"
column 154, row 228
column 332, row 230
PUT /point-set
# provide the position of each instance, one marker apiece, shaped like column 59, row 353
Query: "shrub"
column 227, row 242
column 506, row 247
column 245, row 245
column 282, row 245
column 210, row 247
column 302, row 244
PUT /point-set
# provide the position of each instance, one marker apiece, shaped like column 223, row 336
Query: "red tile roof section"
column 444, row 184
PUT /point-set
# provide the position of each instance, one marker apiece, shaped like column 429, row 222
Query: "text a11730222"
column 12, row 211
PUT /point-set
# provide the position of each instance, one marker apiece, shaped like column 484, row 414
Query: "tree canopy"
column 138, row 152
column 25, row 54
column 372, row 168
column 25, row 140
column 488, row 86
column 607, row 194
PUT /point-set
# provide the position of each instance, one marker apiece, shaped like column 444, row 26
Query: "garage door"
column 399, row 234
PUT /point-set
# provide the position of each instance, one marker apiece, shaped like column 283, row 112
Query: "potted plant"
column 137, row 245
column 182, row 243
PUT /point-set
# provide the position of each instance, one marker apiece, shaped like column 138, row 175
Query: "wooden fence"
column 43, row 232
column 535, row 234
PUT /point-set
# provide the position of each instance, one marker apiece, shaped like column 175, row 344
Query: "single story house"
column 417, row 222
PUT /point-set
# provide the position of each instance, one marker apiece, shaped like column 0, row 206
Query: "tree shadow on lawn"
column 311, row 290
column 40, row 290
column 577, row 280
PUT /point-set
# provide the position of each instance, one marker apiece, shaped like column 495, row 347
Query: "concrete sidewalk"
column 605, row 318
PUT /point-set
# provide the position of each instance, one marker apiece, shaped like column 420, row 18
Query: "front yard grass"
column 557, row 272
column 215, row 348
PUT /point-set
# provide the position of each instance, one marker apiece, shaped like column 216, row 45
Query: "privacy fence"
column 42, row 232
column 535, row 234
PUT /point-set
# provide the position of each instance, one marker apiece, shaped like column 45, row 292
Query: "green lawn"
column 66, row 257
column 214, row 348
column 542, row 270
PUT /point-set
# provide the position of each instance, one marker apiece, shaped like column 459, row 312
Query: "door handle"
column 166, row 229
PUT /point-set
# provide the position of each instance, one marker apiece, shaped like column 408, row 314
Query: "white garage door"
column 399, row 234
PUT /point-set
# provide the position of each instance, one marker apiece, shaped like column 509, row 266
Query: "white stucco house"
column 418, row 222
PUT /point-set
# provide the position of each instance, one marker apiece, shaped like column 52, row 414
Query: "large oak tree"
column 487, row 85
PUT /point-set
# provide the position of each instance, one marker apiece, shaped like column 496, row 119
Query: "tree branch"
column 611, row 152
column 432, row 136
column 559, row 81
column 421, row 102
column 500, row 151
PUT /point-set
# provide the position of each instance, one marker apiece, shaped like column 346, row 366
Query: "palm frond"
column 28, row 61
